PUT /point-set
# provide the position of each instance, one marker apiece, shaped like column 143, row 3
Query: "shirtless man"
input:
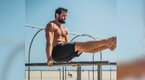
column 58, row 48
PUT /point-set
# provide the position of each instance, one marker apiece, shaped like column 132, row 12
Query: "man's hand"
column 50, row 63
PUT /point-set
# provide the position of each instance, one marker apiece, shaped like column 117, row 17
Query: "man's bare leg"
column 112, row 47
column 97, row 49
column 95, row 46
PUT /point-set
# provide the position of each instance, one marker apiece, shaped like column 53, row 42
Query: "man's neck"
column 58, row 23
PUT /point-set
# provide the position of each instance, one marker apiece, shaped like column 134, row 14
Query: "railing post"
column 41, row 74
column 59, row 74
column 110, row 74
column 63, row 73
column 78, row 72
column 99, row 73
column 88, row 75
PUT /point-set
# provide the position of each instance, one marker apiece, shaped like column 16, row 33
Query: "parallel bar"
column 82, row 63
column 112, row 63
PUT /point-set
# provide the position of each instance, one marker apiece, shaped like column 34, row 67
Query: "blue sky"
column 130, row 28
column 12, row 20
column 99, row 18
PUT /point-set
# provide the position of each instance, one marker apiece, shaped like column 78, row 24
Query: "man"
column 58, row 48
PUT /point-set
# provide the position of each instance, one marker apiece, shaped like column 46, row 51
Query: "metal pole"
column 93, row 72
column 88, row 75
column 81, row 63
column 93, row 65
column 41, row 74
column 99, row 72
column 110, row 74
column 59, row 74
column 79, row 73
column 101, row 58
column 63, row 73
column 29, row 56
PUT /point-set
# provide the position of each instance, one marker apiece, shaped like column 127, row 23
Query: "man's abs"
column 59, row 41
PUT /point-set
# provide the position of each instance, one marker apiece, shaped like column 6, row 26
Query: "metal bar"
column 83, row 63
column 110, row 74
column 34, row 26
column 30, row 51
column 41, row 74
column 93, row 73
column 99, row 72
column 59, row 74
column 63, row 73
column 39, row 27
column 101, row 58
column 112, row 63
column 79, row 73
column 88, row 75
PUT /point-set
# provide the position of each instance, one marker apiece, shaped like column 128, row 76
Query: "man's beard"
column 61, row 21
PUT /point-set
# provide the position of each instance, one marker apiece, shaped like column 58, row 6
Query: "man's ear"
column 57, row 15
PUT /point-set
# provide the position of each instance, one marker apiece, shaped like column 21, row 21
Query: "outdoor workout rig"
column 64, row 64
column 78, row 65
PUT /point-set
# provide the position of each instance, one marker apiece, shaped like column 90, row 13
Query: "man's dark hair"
column 60, row 10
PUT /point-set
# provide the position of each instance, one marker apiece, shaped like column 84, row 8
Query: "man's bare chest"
column 60, row 32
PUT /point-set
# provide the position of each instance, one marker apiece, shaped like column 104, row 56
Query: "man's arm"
column 49, row 33
column 66, row 37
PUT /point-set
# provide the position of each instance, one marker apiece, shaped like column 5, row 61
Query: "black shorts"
column 64, row 52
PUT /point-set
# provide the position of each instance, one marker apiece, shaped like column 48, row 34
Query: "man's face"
column 62, row 17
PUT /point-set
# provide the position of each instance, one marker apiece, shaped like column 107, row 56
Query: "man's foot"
column 112, row 43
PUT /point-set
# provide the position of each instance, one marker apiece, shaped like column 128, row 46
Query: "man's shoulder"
column 65, row 28
column 50, row 23
column 50, row 26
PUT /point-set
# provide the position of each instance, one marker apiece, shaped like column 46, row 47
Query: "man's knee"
column 80, row 47
column 77, row 46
